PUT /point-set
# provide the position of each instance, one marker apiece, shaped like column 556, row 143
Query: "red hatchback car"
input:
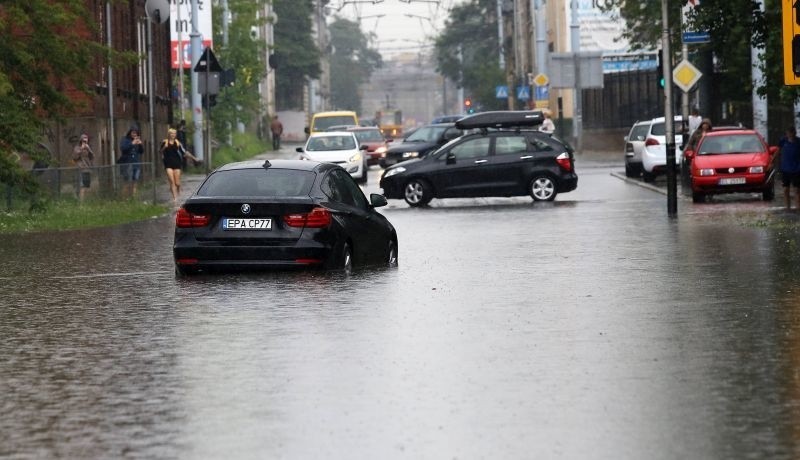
column 729, row 161
column 371, row 137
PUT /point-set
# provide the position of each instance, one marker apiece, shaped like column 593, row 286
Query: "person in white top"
column 547, row 125
column 694, row 120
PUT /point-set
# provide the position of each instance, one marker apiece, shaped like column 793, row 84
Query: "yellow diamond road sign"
column 541, row 80
column 685, row 75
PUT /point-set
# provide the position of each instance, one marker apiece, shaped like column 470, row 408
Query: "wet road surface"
column 591, row 327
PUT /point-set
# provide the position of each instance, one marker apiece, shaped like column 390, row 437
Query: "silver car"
column 634, row 143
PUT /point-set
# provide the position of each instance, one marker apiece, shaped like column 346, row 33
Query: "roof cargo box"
column 502, row 119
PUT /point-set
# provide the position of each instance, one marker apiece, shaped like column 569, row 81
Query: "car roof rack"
column 502, row 119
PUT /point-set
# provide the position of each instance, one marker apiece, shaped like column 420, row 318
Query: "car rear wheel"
column 392, row 256
column 346, row 262
column 648, row 176
column 698, row 197
column 632, row 170
column 417, row 192
column 543, row 188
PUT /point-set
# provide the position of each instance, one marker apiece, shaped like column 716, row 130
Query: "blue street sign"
column 541, row 93
column 696, row 37
column 523, row 93
column 501, row 92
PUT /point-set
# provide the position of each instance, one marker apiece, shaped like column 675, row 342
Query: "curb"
column 629, row 180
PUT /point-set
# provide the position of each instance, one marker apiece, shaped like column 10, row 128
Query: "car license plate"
column 732, row 180
column 247, row 224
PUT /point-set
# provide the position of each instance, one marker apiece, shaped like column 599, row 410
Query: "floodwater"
column 591, row 327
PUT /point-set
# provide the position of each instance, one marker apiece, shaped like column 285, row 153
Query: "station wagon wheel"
column 543, row 188
column 698, row 197
column 392, row 257
column 417, row 192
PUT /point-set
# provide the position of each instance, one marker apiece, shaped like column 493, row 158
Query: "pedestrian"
column 83, row 157
column 694, row 120
column 547, row 125
column 173, row 154
column 132, row 151
column 277, row 131
column 704, row 127
column 790, row 165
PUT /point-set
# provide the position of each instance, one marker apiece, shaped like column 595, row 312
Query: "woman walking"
column 172, row 153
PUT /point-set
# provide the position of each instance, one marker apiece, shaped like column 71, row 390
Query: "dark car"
column 373, row 139
column 447, row 119
column 504, row 161
column 423, row 141
column 283, row 213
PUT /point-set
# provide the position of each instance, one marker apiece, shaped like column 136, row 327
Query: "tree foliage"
column 298, row 55
column 46, row 48
column 467, row 51
column 247, row 56
column 352, row 63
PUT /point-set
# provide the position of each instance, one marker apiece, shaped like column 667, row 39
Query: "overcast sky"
column 400, row 26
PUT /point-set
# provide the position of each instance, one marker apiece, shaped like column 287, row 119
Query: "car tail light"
column 187, row 261
column 628, row 148
column 185, row 219
column 317, row 218
column 650, row 141
column 564, row 161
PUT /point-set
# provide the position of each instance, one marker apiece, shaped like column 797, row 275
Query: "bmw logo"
column 245, row 208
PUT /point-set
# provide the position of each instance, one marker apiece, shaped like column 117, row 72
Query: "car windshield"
column 737, row 143
column 427, row 134
column 325, row 143
column 258, row 182
column 371, row 135
column 323, row 123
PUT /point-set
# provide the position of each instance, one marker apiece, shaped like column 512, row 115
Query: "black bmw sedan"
column 281, row 213
column 506, row 157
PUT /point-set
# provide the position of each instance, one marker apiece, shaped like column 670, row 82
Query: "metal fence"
column 99, row 182
column 625, row 98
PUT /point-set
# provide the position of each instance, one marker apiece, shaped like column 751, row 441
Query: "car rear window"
column 639, row 132
column 371, row 135
column 323, row 123
column 258, row 182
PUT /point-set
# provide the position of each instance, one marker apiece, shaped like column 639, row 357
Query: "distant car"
column 421, row 142
column 634, row 144
column 321, row 121
column 496, row 161
column 729, row 161
column 340, row 148
column 281, row 213
column 654, row 153
column 373, row 139
column 447, row 119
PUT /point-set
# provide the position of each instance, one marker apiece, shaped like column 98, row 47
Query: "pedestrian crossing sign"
column 523, row 93
column 501, row 92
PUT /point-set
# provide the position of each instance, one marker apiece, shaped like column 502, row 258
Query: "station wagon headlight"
column 394, row 171
column 355, row 158
column 756, row 169
column 706, row 172
column 410, row 154
column 380, row 150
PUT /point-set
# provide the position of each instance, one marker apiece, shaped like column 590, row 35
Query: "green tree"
column 471, row 32
column 46, row 48
column 352, row 63
column 296, row 52
column 246, row 56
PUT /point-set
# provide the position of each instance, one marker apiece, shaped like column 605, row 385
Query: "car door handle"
column 478, row 162
column 526, row 157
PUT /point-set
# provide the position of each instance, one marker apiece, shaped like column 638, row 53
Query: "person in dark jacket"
column 790, row 165
column 131, row 153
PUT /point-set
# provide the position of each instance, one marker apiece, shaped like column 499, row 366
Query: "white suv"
column 634, row 144
column 654, row 153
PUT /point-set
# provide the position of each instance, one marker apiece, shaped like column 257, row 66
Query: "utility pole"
column 197, row 106
column 759, row 102
column 541, row 37
column 112, row 141
column 669, row 124
column 508, row 25
column 577, row 106
column 501, row 51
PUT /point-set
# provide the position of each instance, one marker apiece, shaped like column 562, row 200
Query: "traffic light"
column 468, row 106
column 660, row 71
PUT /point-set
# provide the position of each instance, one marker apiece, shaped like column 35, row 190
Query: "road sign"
column 523, row 93
column 501, row 92
column 208, row 62
column 685, row 75
column 696, row 37
column 791, row 42
column 541, row 80
column 541, row 93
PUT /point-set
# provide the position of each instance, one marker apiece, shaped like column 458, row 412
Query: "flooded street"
column 590, row 327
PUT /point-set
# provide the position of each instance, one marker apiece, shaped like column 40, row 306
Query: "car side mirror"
column 363, row 147
column 299, row 149
column 377, row 200
column 689, row 154
column 451, row 159
column 773, row 149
